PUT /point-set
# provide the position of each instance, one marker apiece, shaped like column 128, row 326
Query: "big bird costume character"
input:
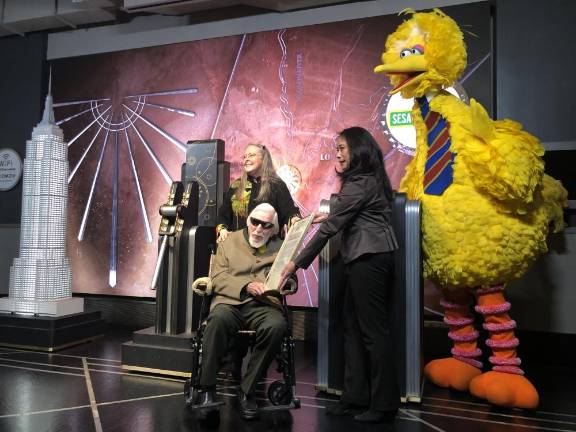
column 487, row 206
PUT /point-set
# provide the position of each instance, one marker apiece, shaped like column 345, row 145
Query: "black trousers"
column 369, row 372
column 222, row 326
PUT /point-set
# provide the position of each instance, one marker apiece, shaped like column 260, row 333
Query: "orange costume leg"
column 457, row 371
column 505, row 385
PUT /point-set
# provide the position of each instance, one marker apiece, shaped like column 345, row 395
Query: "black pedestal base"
column 45, row 333
column 162, row 354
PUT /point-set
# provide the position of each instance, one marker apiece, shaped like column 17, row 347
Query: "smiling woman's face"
column 252, row 160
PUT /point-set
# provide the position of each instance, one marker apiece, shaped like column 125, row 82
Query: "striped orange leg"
column 505, row 385
column 457, row 371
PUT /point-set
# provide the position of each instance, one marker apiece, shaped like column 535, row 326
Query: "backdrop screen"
column 128, row 114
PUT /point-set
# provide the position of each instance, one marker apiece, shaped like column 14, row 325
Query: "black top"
column 233, row 213
column 362, row 212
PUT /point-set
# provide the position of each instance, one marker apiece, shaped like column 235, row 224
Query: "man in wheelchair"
column 239, row 303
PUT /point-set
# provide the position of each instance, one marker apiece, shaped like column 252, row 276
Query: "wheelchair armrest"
column 290, row 287
column 202, row 286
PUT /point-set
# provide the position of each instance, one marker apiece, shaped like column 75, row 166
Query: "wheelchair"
column 281, row 393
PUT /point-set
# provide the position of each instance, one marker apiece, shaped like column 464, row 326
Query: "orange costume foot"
column 458, row 371
column 506, row 390
column 451, row 373
column 505, row 385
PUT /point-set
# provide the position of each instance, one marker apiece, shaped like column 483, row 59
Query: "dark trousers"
column 222, row 326
column 370, row 371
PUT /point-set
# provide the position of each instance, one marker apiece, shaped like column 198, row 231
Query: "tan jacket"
column 237, row 264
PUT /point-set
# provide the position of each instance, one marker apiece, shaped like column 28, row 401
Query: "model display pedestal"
column 49, row 333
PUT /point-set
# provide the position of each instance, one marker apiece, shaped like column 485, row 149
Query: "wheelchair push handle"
column 203, row 285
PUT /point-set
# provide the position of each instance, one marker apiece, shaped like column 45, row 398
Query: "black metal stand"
column 406, row 313
column 183, row 256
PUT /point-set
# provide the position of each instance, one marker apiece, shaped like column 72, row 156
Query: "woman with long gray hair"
column 259, row 183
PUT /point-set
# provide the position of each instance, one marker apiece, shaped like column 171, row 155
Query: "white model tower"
column 40, row 279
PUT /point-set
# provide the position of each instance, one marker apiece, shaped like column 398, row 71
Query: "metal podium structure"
column 186, row 237
column 205, row 165
column 178, row 229
column 406, row 314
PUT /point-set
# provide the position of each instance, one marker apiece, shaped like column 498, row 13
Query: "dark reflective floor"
column 84, row 389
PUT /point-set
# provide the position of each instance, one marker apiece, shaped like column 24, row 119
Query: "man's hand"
column 294, row 219
column 256, row 288
column 222, row 235
column 287, row 271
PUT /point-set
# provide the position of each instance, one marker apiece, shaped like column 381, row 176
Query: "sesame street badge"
column 396, row 119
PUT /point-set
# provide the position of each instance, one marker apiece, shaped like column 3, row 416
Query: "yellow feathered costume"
column 488, row 224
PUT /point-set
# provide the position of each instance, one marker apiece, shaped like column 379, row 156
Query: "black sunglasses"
column 265, row 225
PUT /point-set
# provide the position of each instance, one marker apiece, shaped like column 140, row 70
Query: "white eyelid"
column 405, row 52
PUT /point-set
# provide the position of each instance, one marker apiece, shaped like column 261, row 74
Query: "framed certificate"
column 287, row 251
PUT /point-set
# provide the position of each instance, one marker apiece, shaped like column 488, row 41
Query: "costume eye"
column 405, row 53
column 417, row 50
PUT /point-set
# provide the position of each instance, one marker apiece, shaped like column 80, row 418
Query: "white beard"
column 257, row 243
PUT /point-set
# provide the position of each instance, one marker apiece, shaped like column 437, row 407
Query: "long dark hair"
column 365, row 158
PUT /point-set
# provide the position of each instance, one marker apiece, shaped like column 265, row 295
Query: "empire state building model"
column 40, row 280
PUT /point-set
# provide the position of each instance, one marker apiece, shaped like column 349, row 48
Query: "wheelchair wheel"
column 279, row 393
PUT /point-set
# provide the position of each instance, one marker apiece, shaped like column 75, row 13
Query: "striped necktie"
column 438, row 172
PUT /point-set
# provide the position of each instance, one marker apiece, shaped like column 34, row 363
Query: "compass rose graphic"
column 116, row 127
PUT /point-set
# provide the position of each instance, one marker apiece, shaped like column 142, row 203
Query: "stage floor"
column 84, row 389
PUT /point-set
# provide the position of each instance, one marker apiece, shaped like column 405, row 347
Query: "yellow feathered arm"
column 411, row 183
column 555, row 198
column 504, row 161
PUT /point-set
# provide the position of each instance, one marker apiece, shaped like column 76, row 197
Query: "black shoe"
column 344, row 409
column 248, row 406
column 205, row 403
column 206, row 398
column 375, row 416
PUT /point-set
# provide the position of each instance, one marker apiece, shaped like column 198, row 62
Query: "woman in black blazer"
column 362, row 213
